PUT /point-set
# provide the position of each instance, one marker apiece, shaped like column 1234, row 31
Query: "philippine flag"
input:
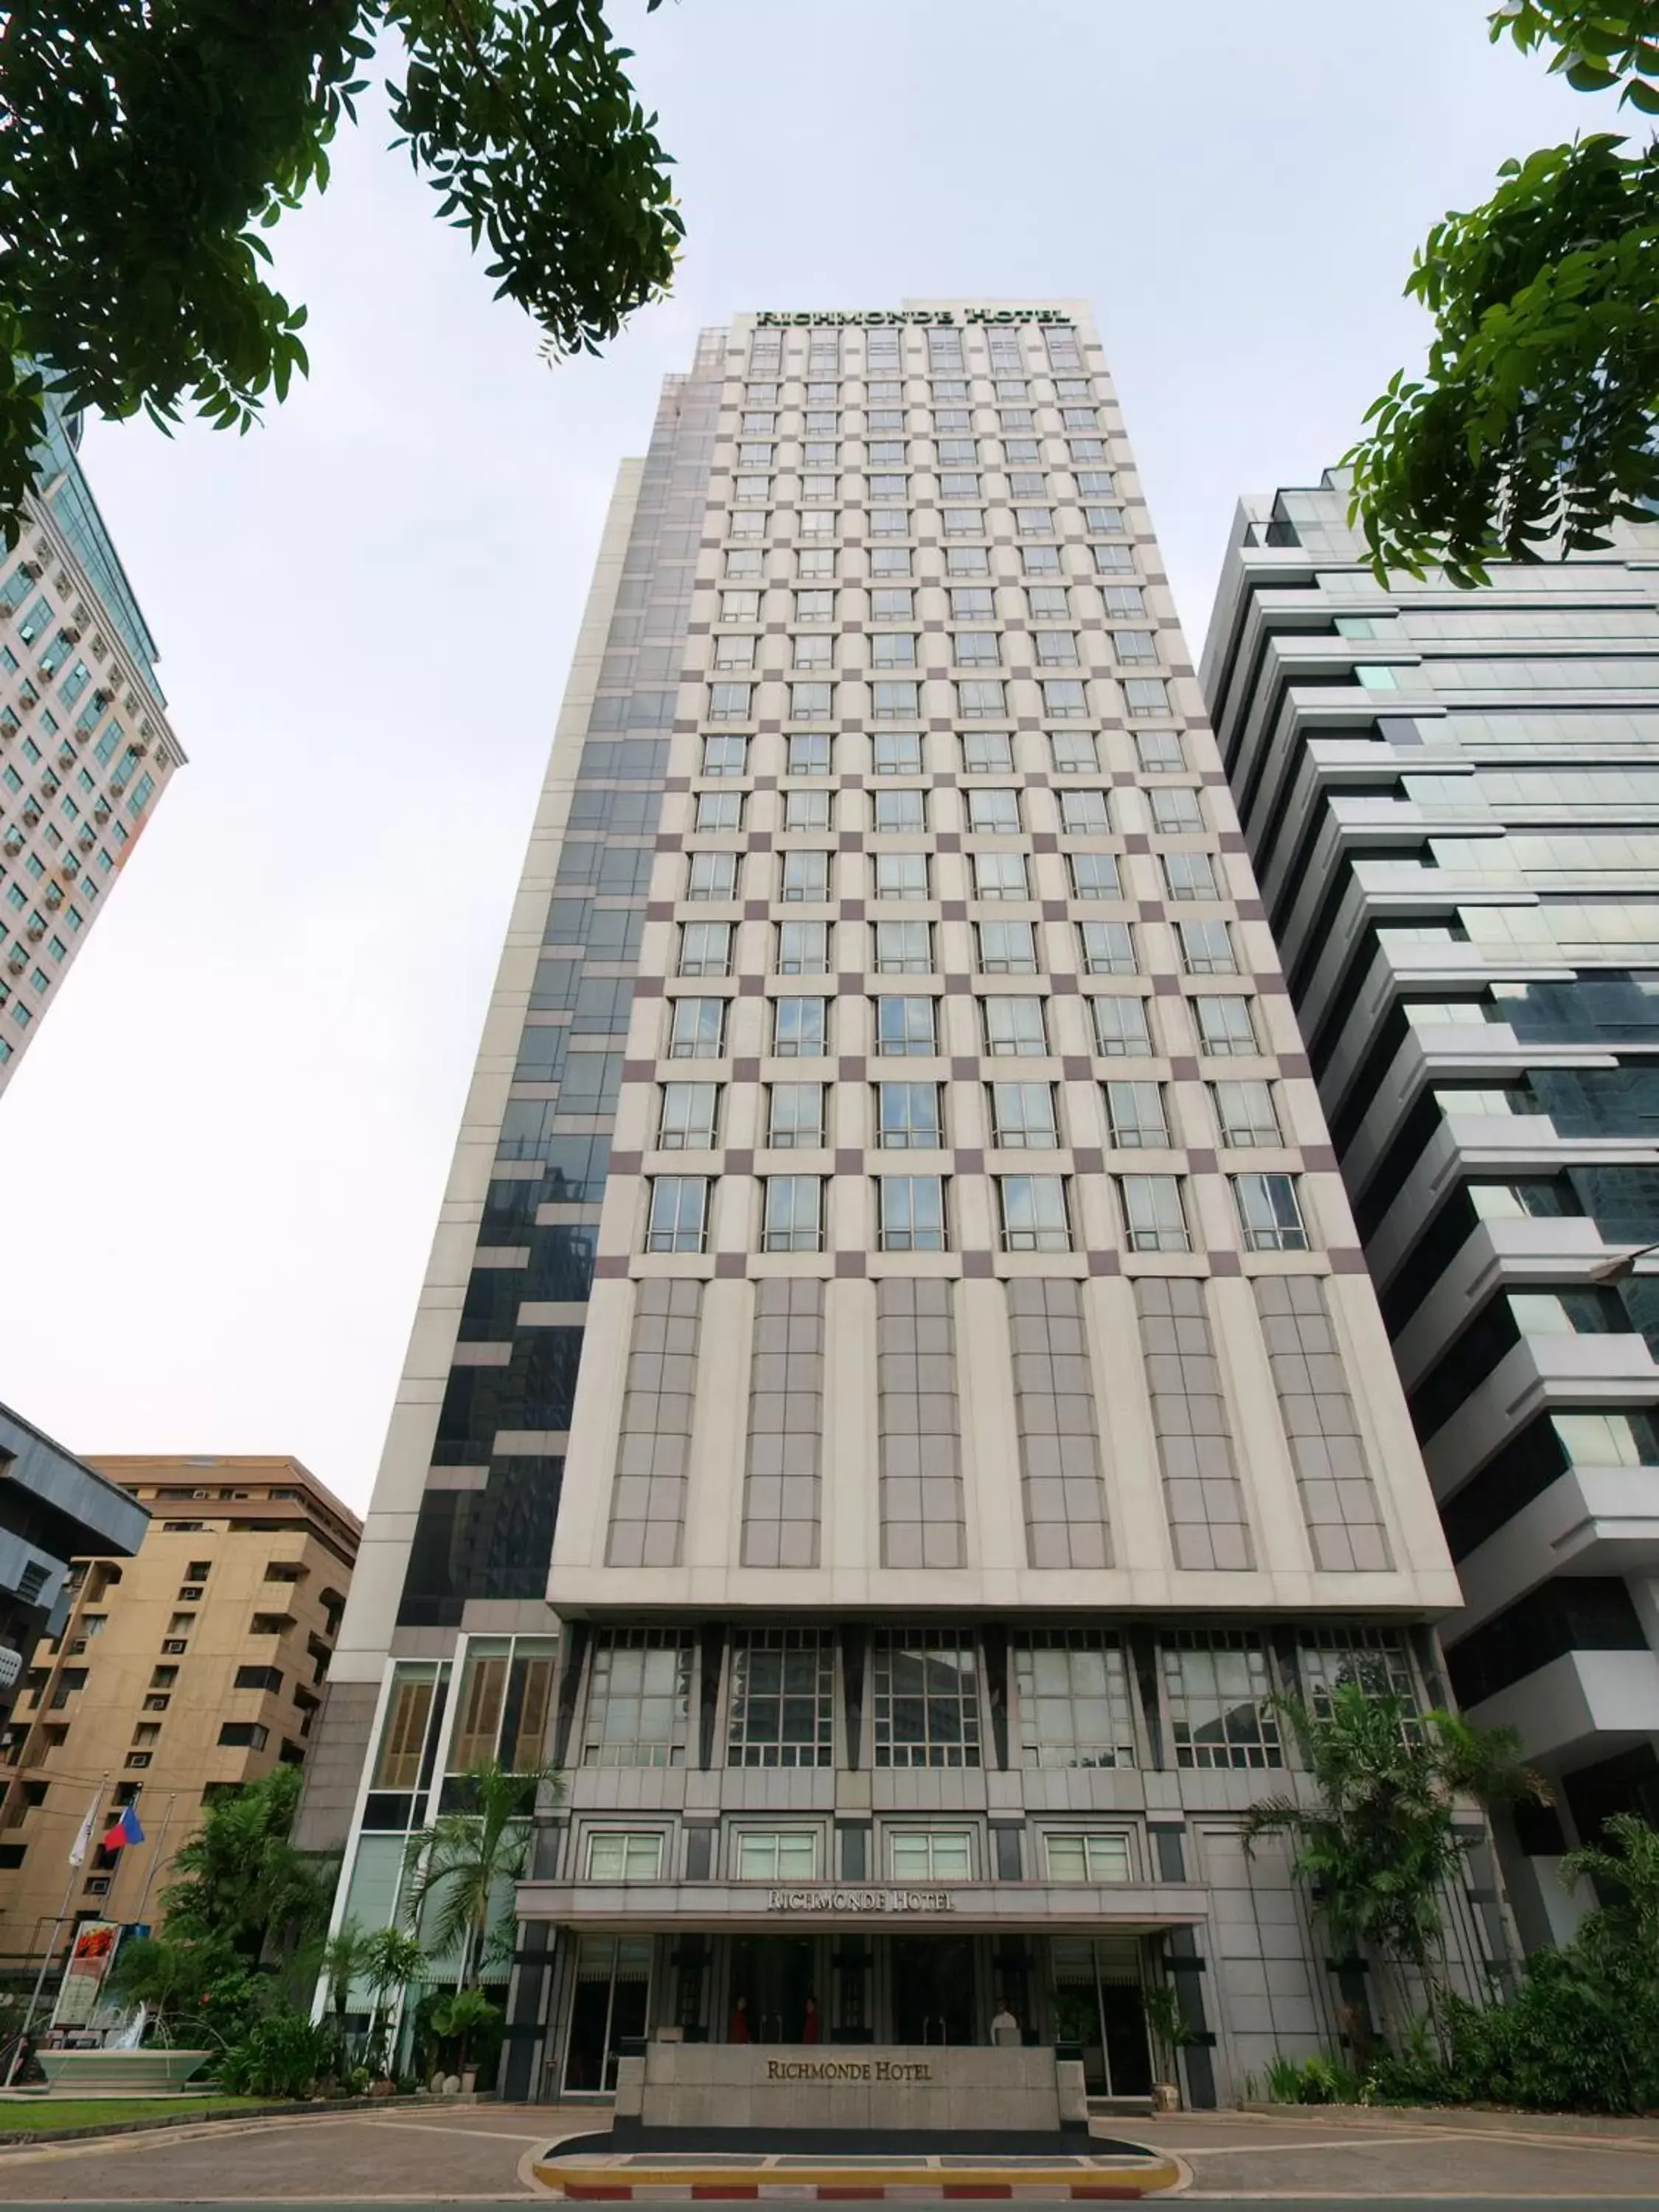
column 125, row 1830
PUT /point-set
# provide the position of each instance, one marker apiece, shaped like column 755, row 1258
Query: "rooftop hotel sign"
column 773, row 321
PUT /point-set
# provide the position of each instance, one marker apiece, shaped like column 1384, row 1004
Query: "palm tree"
column 456, row 1866
column 344, row 1961
column 1628, row 1877
column 392, row 1960
column 1380, row 1844
column 242, row 1880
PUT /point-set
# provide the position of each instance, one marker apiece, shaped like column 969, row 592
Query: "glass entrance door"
column 933, row 1992
column 1097, row 2005
column 771, row 1980
column 611, row 2000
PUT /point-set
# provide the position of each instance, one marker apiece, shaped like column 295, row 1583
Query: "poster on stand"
column 89, row 1961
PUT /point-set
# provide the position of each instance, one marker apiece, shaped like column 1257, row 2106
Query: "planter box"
column 119, row 2073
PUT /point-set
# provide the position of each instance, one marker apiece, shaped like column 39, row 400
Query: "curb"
column 288, row 2107
column 604, row 2181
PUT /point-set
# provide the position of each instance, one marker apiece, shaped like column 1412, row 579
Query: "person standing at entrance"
column 812, row 2028
column 737, row 2030
column 1004, row 2028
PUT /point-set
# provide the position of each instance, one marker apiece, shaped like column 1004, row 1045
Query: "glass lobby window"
column 679, row 1214
column 698, row 1030
column 926, row 1686
column 1007, row 948
column 1245, row 1114
column 777, row 1855
column 1134, row 1112
column 794, row 1214
column 1108, row 947
column 624, row 1854
column 988, row 752
column 1033, row 1211
column 1224, row 1027
column 1075, row 1704
column 912, row 1213
column 1087, row 1857
column 1216, row 1686
column 907, row 1026
column 907, row 1117
column 1014, row 1028
column 687, row 1118
column 1095, row 876
column 800, row 1028
column 795, row 1121
column 1153, row 1215
column 1269, row 1214
column 1022, row 1116
column 639, row 1697
column 782, row 1698
column 904, row 948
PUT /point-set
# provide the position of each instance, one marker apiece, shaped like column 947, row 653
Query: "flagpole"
column 155, row 1855
column 77, row 1859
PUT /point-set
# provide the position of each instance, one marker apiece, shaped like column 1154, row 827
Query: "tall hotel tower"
column 896, row 1386
column 1452, row 802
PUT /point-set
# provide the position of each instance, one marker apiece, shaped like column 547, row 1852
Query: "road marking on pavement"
column 437, row 2128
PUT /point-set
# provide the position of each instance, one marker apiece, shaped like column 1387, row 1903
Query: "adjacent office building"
column 174, row 1668
column 85, row 748
column 896, row 1385
column 1452, row 803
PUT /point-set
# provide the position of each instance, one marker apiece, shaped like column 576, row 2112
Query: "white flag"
column 83, row 1841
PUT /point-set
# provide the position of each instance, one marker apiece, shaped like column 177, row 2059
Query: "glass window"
column 1047, row 603
column 912, row 1214
column 1146, row 695
column 994, row 814
column 803, row 948
column 988, row 752
column 734, row 651
column 688, row 1119
column 1084, row 813
column 794, row 1214
column 1206, row 948
column 679, row 1214
column 1121, row 1027
column 795, row 1122
column 1132, row 645
column 1224, row 1027
column 800, row 1028
column 892, row 603
column 963, row 521
column 1033, row 521
column 1055, row 648
column 900, row 811
column 698, row 1031
column 1074, row 752
column 904, row 948
column 1372, row 1659
column 729, row 702
column 624, row 1854
column 927, row 1701
column 814, row 560
column 1245, row 1114
column 805, row 877
column 777, row 1855
column 976, row 649
column 999, row 876
column 1160, row 752
column 725, row 757
column 1075, row 1704
column 1022, row 1117
column 705, row 948
column 901, row 875
column 1094, row 875
column 894, row 701
column 890, row 522
column 809, row 752
column 712, row 876
column 972, row 602
column 810, row 702
column 1063, row 695
column 1108, row 947
column 1177, row 810
column 980, row 697
column 1216, row 1686
column 930, row 1855
column 806, row 810
column 741, row 606
column 966, row 561
column 1135, row 1114
column 893, row 649
column 896, row 752
column 907, row 1026
column 719, row 809
column 814, row 606
column 1033, row 1209
column 639, row 1697
column 402, row 1739
column 1087, row 1858
column 1014, row 1028
column 743, row 562
column 812, row 651
column 1153, row 1214
column 907, row 1117
column 782, row 1707
column 1269, row 1213
column 890, row 559
column 1007, row 948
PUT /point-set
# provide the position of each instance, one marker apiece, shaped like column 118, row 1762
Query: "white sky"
column 222, row 1162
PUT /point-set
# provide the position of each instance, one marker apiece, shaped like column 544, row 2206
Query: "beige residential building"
column 195, row 1665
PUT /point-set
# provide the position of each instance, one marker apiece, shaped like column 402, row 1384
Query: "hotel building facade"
column 896, row 1386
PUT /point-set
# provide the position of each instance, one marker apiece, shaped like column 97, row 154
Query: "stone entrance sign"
column 741, row 2084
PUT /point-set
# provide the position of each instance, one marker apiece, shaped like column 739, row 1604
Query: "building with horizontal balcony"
column 897, row 1385
column 86, row 750
column 1451, row 798
column 172, row 1668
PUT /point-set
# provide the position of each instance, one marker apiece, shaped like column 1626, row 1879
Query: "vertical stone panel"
column 1338, row 1497
column 924, row 1520
column 648, row 1500
column 782, row 1499
column 1063, row 1494
column 1202, row 1494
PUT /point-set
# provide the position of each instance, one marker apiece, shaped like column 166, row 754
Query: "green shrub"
column 280, row 2056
